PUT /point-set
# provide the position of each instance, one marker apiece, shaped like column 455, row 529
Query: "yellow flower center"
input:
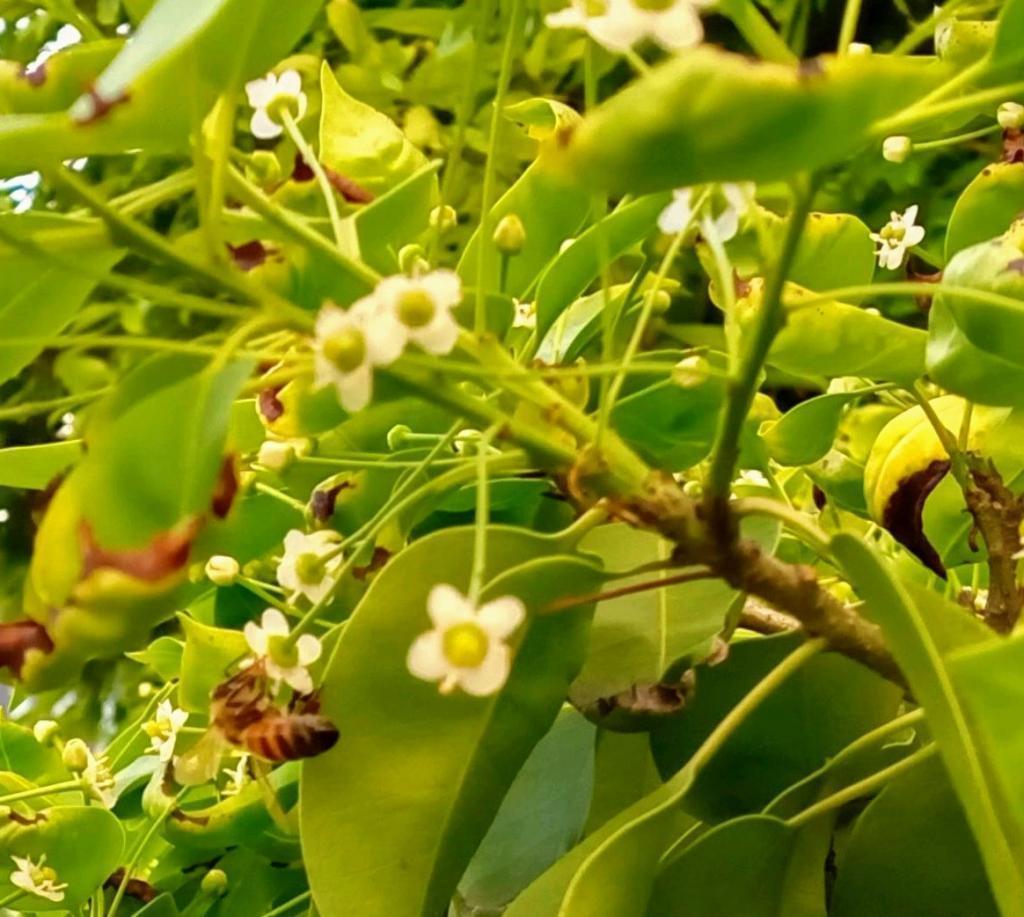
column 346, row 349
column 281, row 652
column 465, row 645
column 157, row 729
column 281, row 103
column 595, row 7
column 310, row 568
column 416, row 308
column 892, row 233
column 44, row 874
column 655, row 6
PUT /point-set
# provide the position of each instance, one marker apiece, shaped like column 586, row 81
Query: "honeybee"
column 243, row 714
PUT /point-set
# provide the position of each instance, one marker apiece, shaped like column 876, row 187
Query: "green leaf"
column 83, row 845
column 543, row 117
column 634, row 639
column 541, row 817
column 805, row 433
column 552, row 210
column 986, row 207
column 920, row 656
column 913, row 832
column 27, row 280
column 433, row 804
column 63, row 76
column 164, row 656
column 22, row 754
column 574, row 269
column 780, row 876
column 709, row 115
column 34, row 467
column 361, row 143
column 208, row 652
column 1006, row 45
column 838, row 702
column 157, row 447
column 835, row 339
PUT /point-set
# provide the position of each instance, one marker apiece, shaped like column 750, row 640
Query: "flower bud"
column 215, row 883
column 45, row 731
column 691, row 371
column 275, row 455
column 263, row 169
column 222, row 570
column 1010, row 116
column 510, row 234
column 897, row 149
column 859, row 49
column 443, row 218
column 412, row 260
column 76, row 756
column 146, row 689
column 662, row 300
column 397, row 436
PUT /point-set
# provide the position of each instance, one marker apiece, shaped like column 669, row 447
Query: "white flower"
column 237, row 776
column 620, row 24
column 275, row 455
column 467, row 646
column 690, row 372
column 679, row 213
column 423, row 308
column 753, row 478
column 525, row 314
column 283, row 661
column 163, row 729
column 37, row 879
column 897, row 148
column 898, row 235
column 309, row 563
column 93, row 771
column 349, row 344
column 268, row 95
column 222, row 570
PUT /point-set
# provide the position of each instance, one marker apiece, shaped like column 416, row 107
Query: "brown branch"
column 574, row 601
column 763, row 619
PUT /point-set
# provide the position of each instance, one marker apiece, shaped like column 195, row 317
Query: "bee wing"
column 201, row 763
column 262, row 774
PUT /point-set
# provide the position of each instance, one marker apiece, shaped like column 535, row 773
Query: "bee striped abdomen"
column 289, row 737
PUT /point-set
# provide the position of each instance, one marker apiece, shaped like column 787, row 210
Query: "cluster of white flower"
column 374, row 331
column 37, row 878
column 163, row 729
column 268, row 95
column 679, row 213
column 285, row 660
column 618, row 25
column 896, row 237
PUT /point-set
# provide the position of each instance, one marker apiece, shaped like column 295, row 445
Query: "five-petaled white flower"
column 99, row 781
column 349, row 344
column 467, row 646
column 268, row 96
column 284, row 661
column 37, row 879
column 163, row 729
column 525, row 314
column 309, row 563
column 679, row 213
column 423, row 307
column 237, row 776
column 620, row 24
column 896, row 236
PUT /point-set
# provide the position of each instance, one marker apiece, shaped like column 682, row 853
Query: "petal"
column 287, row 575
column 178, row 719
column 274, row 623
column 490, row 675
column 298, row 679
column 388, row 292
column 386, row 338
column 447, row 606
column 256, row 638
column 569, row 18
column 727, row 224
column 289, row 82
column 355, row 388
column 22, row 880
column 913, row 236
column 737, row 196
column 303, row 103
column 910, row 215
column 259, row 92
column 426, row 658
column 444, row 287
column 262, row 127
column 308, row 648
column 675, row 216
column 439, row 337
column 330, row 320
column 617, row 32
column 501, row 617
column 678, row 27
column 295, row 542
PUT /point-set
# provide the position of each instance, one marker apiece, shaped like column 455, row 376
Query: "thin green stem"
column 480, row 523
column 280, row 496
column 64, row 786
column 958, row 138
column 758, row 32
column 864, row 787
column 741, row 390
column 797, row 521
column 848, row 28
column 293, row 903
column 31, row 408
column 908, row 288
column 485, row 244
column 899, row 123
column 957, row 458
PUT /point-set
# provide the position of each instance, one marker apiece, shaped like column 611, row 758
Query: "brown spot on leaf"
column 380, row 557
column 1016, row 265
column 165, row 554
column 271, row 407
column 17, row 638
column 34, row 76
column 322, row 502
column 138, row 889
column 348, row 188
column 810, row 69
column 226, row 488
column 250, row 255
column 903, row 513
column 36, row 818
column 301, row 170
column 100, row 106
column 1013, row 146
column 641, row 706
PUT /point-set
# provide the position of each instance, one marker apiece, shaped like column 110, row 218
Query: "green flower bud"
column 215, row 883
column 1010, row 116
column 897, row 149
column 443, row 218
column 412, row 260
column 45, row 731
column 222, row 570
column 510, row 234
column 397, row 436
column 76, row 756
column 263, row 168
